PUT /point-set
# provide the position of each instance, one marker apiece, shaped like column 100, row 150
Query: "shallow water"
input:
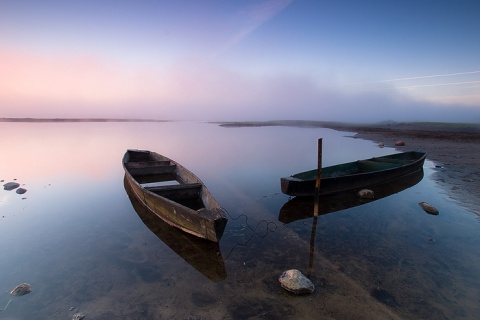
column 77, row 239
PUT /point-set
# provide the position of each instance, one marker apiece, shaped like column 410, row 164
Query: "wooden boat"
column 300, row 208
column 203, row 255
column 174, row 194
column 354, row 175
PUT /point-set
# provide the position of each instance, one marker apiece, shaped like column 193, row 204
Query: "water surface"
column 84, row 246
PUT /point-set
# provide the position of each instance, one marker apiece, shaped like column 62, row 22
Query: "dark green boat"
column 354, row 175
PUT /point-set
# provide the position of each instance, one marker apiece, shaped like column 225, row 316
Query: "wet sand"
column 454, row 148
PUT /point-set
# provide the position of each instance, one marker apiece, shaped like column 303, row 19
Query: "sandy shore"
column 454, row 148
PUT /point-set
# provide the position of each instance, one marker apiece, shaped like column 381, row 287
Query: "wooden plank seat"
column 150, row 167
column 176, row 192
column 143, row 164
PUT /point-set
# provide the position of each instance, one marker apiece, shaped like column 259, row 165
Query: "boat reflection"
column 201, row 254
column 303, row 207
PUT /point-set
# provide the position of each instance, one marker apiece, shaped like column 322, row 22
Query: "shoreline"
column 455, row 154
column 454, row 148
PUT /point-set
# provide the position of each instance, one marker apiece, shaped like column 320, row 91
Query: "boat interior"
column 360, row 166
column 161, row 178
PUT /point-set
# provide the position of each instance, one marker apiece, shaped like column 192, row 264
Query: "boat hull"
column 206, row 220
column 354, row 175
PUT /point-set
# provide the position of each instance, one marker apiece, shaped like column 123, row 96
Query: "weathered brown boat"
column 353, row 175
column 203, row 255
column 174, row 194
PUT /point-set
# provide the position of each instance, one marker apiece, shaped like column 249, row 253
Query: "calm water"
column 84, row 246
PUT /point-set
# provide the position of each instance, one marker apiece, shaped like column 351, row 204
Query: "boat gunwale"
column 359, row 174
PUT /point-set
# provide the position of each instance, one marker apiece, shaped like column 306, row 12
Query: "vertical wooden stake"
column 317, row 182
column 312, row 247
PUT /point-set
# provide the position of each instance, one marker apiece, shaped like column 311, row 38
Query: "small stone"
column 399, row 143
column 381, row 144
column 366, row 194
column 294, row 281
column 10, row 186
column 428, row 208
column 21, row 190
column 78, row 316
column 21, row 289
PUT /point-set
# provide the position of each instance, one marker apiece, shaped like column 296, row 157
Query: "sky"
column 242, row 60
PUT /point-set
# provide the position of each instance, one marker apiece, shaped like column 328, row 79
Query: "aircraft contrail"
column 440, row 84
column 419, row 77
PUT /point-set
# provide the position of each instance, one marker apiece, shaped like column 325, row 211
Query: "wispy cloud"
column 251, row 18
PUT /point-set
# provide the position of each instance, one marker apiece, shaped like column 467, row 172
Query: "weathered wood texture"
column 187, row 204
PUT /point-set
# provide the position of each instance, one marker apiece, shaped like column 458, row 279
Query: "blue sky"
column 241, row 60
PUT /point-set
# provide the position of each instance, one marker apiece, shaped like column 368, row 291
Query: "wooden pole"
column 312, row 247
column 319, row 173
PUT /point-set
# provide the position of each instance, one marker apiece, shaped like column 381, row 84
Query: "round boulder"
column 295, row 282
column 21, row 190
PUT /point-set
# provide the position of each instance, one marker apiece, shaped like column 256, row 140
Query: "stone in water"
column 21, row 190
column 294, row 281
column 78, row 316
column 21, row 289
column 366, row 194
column 429, row 208
column 10, row 186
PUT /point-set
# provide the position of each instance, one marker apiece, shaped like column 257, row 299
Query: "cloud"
column 251, row 18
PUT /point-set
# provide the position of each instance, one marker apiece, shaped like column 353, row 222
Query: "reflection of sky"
column 76, row 232
column 212, row 60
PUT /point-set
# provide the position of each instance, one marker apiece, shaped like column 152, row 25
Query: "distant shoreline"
column 358, row 127
column 77, row 120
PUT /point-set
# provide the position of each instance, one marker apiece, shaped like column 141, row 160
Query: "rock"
column 366, row 194
column 399, row 143
column 10, row 186
column 78, row 316
column 381, row 144
column 21, row 190
column 429, row 208
column 294, row 281
column 21, row 289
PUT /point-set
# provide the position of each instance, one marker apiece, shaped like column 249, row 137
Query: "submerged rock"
column 78, row 316
column 294, row 281
column 428, row 208
column 21, row 190
column 366, row 194
column 21, row 289
column 381, row 144
column 10, row 186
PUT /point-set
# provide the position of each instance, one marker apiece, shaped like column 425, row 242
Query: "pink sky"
column 271, row 59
